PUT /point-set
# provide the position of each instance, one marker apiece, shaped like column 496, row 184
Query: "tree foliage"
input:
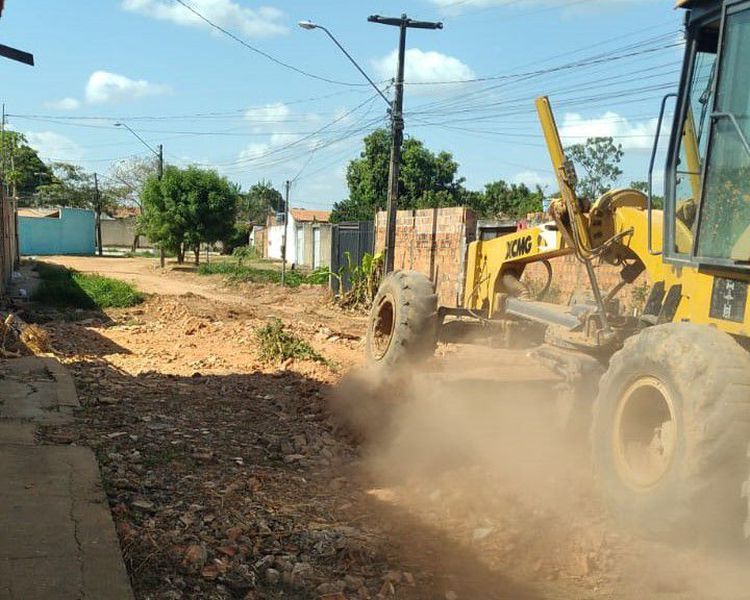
column 501, row 199
column 599, row 158
column 260, row 200
column 428, row 180
column 130, row 176
column 73, row 186
column 188, row 207
column 68, row 185
column 24, row 170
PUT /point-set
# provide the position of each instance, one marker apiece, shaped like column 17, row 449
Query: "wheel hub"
column 383, row 326
column 645, row 433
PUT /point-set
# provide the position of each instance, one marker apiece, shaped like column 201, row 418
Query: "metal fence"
column 355, row 239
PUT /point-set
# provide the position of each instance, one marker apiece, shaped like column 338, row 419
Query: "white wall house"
column 296, row 252
column 275, row 234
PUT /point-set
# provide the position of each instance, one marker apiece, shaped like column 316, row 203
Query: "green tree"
column 188, row 207
column 427, row 179
column 501, row 199
column 260, row 200
column 253, row 208
column 599, row 158
column 24, row 170
column 68, row 185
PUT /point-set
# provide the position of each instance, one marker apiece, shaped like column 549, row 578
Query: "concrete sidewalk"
column 58, row 540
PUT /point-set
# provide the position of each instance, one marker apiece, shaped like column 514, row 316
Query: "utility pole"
column 162, row 257
column 287, row 185
column 2, row 147
column 98, row 208
column 397, row 127
column 160, row 173
column 14, row 189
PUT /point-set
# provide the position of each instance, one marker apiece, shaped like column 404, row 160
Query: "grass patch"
column 239, row 273
column 65, row 288
column 278, row 345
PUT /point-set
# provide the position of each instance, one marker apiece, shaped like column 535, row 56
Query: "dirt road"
column 146, row 275
column 304, row 302
column 232, row 478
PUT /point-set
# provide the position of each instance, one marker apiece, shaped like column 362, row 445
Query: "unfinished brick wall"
column 433, row 242
column 569, row 280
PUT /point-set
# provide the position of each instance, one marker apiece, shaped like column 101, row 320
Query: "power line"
column 547, row 71
column 262, row 53
column 516, row 78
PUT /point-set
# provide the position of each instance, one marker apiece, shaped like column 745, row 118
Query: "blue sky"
column 211, row 101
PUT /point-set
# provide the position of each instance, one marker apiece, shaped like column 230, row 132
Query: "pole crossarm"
column 404, row 21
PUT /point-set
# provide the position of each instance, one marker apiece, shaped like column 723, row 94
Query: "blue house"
column 46, row 231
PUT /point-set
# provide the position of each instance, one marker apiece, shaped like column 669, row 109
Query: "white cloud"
column 254, row 151
column 632, row 135
column 270, row 113
column 104, row 87
column 424, row 67
column 531, row 179
column 260, row 22
column 278, row 122
column 64, row 104
column 53, row 145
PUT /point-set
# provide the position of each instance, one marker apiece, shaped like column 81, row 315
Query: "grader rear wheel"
column 403, row 320
column 670, row 429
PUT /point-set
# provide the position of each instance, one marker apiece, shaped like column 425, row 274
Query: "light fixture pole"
column 160, row 173
column 396, row 111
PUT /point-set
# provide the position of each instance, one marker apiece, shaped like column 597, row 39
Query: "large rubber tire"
column 670, row 430
column 402, row 329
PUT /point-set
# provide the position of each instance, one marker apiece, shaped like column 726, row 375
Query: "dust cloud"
column 483, row 460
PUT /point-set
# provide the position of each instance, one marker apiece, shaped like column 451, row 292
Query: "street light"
column 159, row 155
column 309, row 25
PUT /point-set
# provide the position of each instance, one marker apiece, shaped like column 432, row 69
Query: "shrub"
column 278, row 345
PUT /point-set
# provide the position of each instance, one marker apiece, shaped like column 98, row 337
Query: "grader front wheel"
column 671, row 426
column 403, row 320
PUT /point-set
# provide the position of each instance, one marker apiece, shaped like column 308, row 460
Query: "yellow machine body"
column 489, row 261
column 615, row 230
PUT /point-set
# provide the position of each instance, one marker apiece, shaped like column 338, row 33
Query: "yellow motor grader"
column 668, row 391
